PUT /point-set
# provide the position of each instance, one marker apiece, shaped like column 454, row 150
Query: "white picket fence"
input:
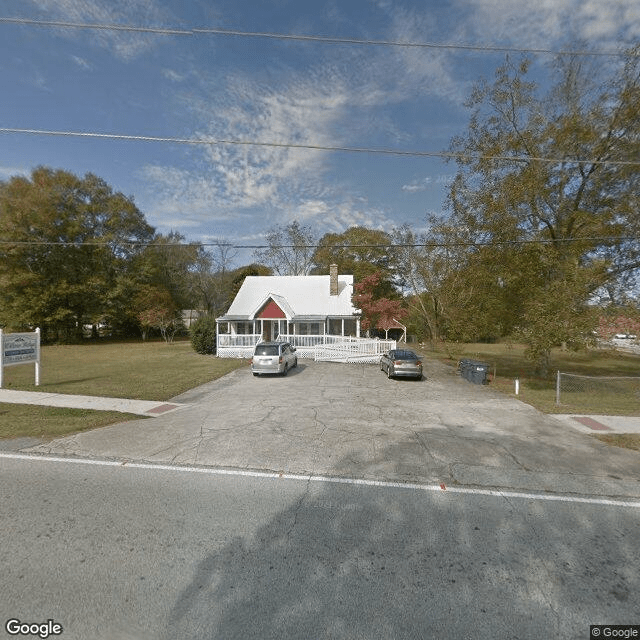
column 365, row 350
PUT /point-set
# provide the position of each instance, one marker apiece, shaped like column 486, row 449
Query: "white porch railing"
column 312, row 341
column 238, row 340
column 251, row 339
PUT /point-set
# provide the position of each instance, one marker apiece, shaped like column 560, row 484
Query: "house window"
column 335, row 326
column 350, row 327
column 309, row 328
column 244, row 328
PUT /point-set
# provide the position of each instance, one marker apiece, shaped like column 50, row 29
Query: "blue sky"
column 269, row 90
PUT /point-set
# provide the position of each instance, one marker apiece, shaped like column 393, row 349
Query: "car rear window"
column 405, row 355
column 270, row 350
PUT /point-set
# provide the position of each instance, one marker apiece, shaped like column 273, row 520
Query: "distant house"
column 304, row 310
column 189, row 316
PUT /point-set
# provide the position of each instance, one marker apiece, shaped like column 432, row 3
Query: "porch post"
column 357, row 327
column 217, row 338
column 342, row 330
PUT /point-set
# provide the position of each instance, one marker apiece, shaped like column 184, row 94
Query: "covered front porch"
column 237, row 338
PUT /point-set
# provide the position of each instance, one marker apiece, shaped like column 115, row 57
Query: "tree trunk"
column 544, row 360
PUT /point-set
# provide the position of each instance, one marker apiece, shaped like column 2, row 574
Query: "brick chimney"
column 333, row 280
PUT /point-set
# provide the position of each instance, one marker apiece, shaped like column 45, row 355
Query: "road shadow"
column 362, row 562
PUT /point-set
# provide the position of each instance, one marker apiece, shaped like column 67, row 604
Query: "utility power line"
column 482, row 243
column 314, row 147
column 196, row 31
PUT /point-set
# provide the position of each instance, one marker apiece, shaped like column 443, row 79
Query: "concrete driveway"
column 350, row 420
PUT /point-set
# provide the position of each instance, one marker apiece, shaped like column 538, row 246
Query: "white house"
column 304, row 310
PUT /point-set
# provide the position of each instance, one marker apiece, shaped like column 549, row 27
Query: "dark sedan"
column 401, row 362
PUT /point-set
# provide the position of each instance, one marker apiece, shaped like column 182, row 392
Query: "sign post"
column 19, row 348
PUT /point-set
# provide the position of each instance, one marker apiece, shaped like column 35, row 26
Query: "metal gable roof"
column 296, row 295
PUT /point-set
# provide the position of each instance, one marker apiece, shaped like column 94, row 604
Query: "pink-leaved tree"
column 377, row 312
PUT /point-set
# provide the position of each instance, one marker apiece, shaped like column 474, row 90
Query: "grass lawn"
column 20, row 420
column 507, row 362
column 142, row 371
column 626, row 440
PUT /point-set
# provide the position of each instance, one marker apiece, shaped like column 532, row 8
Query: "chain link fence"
column 604, row 394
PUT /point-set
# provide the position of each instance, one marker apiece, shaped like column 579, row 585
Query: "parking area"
column 350, row 420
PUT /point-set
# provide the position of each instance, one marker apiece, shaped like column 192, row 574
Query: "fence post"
column 37, row 356
column 558, row 387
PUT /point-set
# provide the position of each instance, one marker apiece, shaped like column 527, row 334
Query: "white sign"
column 20, row 348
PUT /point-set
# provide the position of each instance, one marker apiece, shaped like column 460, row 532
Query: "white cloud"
column 82, row 63
column 180, row 195
column 180, row 200
column 172, row 75
column 417, row 185
column 304, row 111
column 125, row 45
column 609, row 20
column 549, row 23
column 419, row 71
column 6, row 173
column 337, row 102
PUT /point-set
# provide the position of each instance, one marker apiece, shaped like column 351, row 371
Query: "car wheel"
column 286, row 369
column 389, row 373
column 295, row 363
column 255, row 374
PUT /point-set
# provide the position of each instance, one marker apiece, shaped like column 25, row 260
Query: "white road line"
column 440, row 488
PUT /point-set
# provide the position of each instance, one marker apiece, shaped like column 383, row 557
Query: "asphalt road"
column 122, row 553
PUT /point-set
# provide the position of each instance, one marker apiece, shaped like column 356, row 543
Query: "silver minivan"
column 273, row 357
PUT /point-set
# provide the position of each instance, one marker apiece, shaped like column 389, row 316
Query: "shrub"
column 203, row 335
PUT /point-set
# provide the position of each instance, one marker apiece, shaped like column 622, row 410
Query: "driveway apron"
column 349, row 420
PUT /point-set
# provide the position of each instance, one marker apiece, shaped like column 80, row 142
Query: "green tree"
column 156, row 309
column 237, row 278
column 69, row 245
column 173, row 263
column 212, row 279
column 425, row 265
column 203, row 335
column 358, row 251
column 453, row 293
column 548, row 191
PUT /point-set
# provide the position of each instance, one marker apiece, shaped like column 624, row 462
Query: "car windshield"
column 405, row 355
column 267, row 350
